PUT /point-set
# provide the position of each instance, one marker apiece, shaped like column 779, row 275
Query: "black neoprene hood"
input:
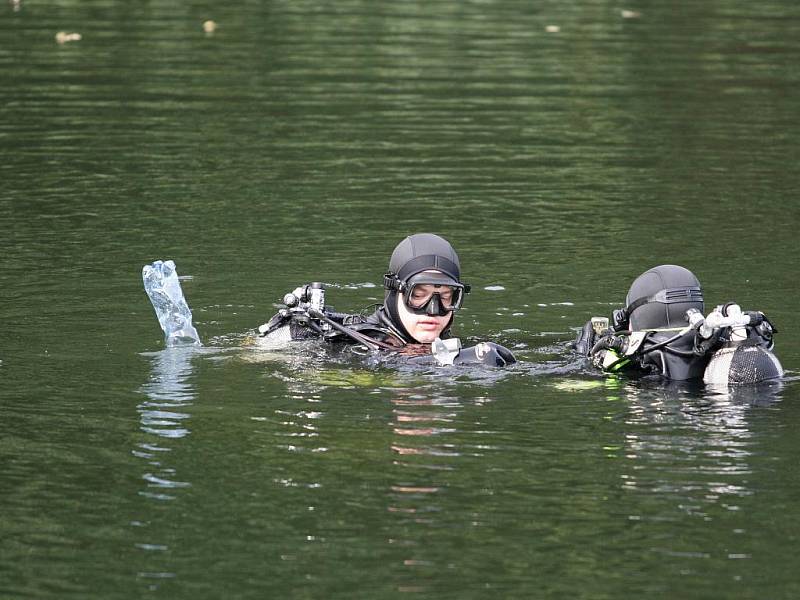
column 422, row 252
column 660, row 297
column 415, row 254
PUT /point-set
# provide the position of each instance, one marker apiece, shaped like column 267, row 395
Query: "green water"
column 301, row 141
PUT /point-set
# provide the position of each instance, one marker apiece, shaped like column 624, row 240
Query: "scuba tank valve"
column 698, row 321
column 731, row 315
column 725, row 315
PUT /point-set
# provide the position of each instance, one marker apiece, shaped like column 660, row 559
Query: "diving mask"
column 433, row 293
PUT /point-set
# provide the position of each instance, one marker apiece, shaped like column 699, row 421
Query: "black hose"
column 684, row 353
column 675, row 337
column 352, row 333
column 611, row 342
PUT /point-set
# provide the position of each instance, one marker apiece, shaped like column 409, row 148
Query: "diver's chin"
column 426, row 332
column 426, row 338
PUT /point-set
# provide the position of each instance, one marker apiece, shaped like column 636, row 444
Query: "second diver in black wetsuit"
column 662, row 331
column 422, row 292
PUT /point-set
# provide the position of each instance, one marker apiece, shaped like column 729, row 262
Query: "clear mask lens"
column 419, row 295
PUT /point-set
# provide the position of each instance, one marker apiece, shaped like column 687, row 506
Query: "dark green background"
column 301, row 141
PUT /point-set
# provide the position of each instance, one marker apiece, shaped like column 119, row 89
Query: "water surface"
column 301, row 141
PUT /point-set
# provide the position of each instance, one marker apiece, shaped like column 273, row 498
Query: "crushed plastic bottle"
column 164, row 290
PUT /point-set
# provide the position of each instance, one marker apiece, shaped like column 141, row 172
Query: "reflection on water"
column 425, row 442
column 689, row 450
column 168, row 388
column 164, row 419
column 764, row 394
column 300, row 142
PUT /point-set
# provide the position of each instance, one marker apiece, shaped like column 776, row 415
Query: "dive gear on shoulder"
column 305, row 315
column 743, row 345
column 662, row 330
column 370, row 343
column 703, row 348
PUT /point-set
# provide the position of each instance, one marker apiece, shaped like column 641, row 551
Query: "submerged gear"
column 423, row 259
column 662, row 331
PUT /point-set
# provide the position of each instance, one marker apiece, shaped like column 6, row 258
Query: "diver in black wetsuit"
column 422, row 292
column 662, row 331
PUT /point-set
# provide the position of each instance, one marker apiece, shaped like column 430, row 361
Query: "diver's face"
column 423, row 328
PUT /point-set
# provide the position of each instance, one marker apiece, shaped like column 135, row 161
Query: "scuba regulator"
column 305, row 315
column 742, row 343
column 297, row 304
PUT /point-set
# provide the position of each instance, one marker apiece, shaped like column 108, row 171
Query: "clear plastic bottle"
column 164, row 290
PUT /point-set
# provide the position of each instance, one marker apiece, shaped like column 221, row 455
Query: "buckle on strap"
column 391, row 282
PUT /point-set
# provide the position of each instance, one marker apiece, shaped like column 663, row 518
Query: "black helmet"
column 660, row 297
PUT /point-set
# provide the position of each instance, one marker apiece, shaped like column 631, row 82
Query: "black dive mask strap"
column 668, row 296
column 621, row 316
column 391, row 282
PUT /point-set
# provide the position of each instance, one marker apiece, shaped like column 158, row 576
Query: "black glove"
column 486, row 353
column 585, row 340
